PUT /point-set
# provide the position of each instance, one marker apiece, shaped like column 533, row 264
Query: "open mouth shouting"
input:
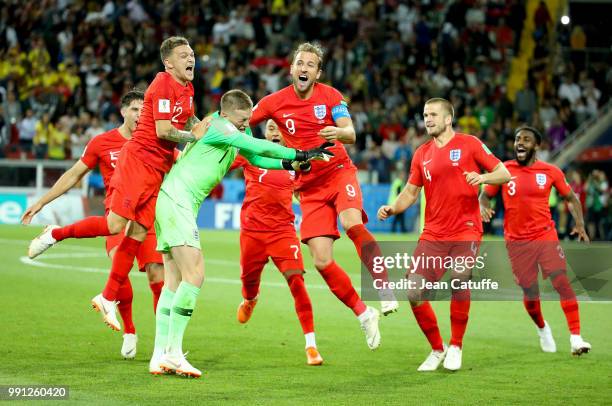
column 521, row 153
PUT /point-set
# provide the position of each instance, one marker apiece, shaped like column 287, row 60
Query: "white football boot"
column 433, row 360
column 547, row 342
column 578, row 345
column 42, row 242
column 178, row 364
column 155, row 364
column 452, row 362
column 369, row 325
column 128, row 349
column 108, row 309
column 388, row 302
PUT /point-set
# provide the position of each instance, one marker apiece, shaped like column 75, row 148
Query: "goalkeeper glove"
column 297, row 166
column 320, row 153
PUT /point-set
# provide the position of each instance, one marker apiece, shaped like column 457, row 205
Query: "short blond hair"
column 169, row 44
column 235, row 99
column 445, row 104
column 311, row 48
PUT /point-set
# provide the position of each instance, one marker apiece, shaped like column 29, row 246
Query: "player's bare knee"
column 116, row 224
column 322, row 262
column 350, row 218
column 155, row 272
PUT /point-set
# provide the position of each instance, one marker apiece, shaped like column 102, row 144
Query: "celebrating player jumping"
column 531, row 237
column 267, row 231
column 167, row 116
column 448, row 167
column 198, row 171
column 308, row 112
column 103, row 150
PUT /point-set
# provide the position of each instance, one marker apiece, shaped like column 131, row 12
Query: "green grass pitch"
column 51, row 336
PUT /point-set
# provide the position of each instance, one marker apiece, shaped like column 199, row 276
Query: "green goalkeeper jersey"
column 204, row 162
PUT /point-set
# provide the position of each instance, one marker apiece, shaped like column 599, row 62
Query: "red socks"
column 535, row 310
column 122, row 264
column 303, row 307
column 125, row 296
column 250, row 284
column 87, row 228
column 364, row 241
column 569, row 304
column 341, row 286
column 459, row 312
column 426, row 319
column 156, row 289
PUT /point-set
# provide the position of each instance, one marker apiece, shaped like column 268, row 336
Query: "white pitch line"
column 38, row 263
column 220, row 262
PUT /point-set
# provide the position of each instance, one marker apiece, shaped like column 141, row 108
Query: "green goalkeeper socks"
column 162, row 320
column 180, row 314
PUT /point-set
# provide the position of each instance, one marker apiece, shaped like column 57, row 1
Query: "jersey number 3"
column 512, row 188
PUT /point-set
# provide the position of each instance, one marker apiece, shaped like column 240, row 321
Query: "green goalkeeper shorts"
column 175, row 225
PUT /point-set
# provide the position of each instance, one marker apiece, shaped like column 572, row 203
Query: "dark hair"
column 534, row 131
column 169, row 44
column 130, row 96
column 235, row 100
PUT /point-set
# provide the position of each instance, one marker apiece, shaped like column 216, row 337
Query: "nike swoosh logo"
column 288, row 115
column 512, row 177
column 426, row 162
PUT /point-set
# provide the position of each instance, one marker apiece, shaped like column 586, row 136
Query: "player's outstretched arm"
column 497, row 176
column 405, row 199
column 486, row 212
column 343, row 132
column 576, row 209
column 70, row 178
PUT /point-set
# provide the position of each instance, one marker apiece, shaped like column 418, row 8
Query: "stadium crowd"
column 65, row 64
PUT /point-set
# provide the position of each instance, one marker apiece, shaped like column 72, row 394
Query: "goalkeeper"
column 200, row 168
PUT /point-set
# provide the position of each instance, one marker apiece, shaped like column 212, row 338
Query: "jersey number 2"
column 176, row 113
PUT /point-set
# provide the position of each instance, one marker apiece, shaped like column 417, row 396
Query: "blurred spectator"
column 13, row 108
column 58, row 141
column 556, row 133
column 469, row 123
column 525, row 103
column 541, row 19
column 40, row 143
column 597, row 189
column 95, row 128
column 398, row 184
column 569, row 90
column 27, row 131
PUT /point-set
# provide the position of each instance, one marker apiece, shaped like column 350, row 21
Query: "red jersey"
column 526, row 199
column 300, row 122
column 165, row 99
column 451, row 203
column 267, row 200
column 103, row 150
